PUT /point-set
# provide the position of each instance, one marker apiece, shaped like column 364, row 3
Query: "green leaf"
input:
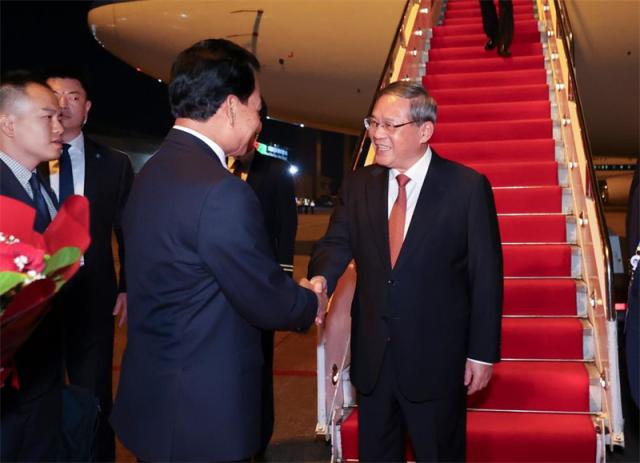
column 61, row 259
column 9, row 280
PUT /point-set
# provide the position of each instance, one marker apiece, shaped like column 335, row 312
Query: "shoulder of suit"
column 104, row 151
column 455, row 169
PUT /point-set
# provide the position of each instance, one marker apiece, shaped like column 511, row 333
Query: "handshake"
column 318, row 285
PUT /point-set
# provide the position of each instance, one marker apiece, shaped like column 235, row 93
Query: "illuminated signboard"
column 273, row 151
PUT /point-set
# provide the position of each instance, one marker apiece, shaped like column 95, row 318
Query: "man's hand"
column 476, row 376
column 121, row 309
column 318, row 285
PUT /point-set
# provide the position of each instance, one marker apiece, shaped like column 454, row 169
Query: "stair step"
column 538, row 199
column 490, row 63
column 542, row 338
column 475, row 95
column 495, row 112
column 473, row 4
column 525, row 228
column 540, row 260
column 532, row 437
column 479, row 40
column 517, row 19
column 531, row 296
column 495, row 80
column 490, row 131
column 475, row 52
column 517, row 385
column 447, row 30
column 474, row 11
column 518, row 173
column 507, row 437
column 539, row 149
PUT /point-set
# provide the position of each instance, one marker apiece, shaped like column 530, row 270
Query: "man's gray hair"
column 423, row 106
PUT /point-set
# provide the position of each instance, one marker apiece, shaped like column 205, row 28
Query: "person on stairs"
column 426, row 316
column 499, row 29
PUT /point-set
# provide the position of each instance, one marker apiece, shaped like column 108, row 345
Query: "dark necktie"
column 397, row 219
column 43, row 218
column 66, row 174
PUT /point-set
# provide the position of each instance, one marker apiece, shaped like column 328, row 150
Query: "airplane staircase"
column 555, row 394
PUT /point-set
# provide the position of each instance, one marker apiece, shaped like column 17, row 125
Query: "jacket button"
column 390, row 282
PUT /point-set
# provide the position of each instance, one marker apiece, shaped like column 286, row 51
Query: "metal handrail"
column 364, row 143
column 565, row 33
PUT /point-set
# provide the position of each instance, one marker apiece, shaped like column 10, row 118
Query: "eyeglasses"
column 370, row 123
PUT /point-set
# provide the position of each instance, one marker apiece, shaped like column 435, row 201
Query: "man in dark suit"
column 498, row 29
column 202, row 280
column 88, row 301
column 426, row 315
column 273, row 185
column 30, row 133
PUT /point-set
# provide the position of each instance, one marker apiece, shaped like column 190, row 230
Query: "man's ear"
column 230, row 104
column 7, row 125
column 426, row 131
column 87, row 107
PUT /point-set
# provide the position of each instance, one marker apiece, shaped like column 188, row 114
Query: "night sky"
column 37, row 35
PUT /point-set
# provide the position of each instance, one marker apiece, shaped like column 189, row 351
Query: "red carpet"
column 550, row 228
column 558, row 386
column 539, row 297
column 494, row 115
column 542, row 338
column 536, row 199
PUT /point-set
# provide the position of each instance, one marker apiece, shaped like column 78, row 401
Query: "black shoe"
column 490, row 45
column 504, row 51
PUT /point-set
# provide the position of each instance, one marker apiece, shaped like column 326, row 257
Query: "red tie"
column 397, row 219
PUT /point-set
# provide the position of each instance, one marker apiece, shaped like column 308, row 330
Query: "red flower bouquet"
column 33, row 267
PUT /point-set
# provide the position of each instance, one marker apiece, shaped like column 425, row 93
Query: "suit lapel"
column 91, row 169
column 10, row 186
column 432, row 198
column 376, row 199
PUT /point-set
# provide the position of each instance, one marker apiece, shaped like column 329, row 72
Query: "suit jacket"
column 442, row 301
column 89, row 297
column 201, row 283
column 39, row 360
column 271, row 181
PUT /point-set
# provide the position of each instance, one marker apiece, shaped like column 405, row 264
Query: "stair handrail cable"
column 565, row 34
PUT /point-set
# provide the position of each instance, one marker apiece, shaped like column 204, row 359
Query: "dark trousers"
column 499, row 30
column 436, row 427
column 30, row 430
column 89, row 365
column 267, row 419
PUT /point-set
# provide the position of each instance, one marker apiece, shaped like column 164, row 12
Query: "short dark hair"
column 13, row 85
column 69, row 72
column 205, row 74
column 423, row 107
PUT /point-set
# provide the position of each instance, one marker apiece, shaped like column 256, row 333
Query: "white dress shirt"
column 210, row 143
column 417, row 173
column 76, row 154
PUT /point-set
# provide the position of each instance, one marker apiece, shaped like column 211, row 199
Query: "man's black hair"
column 205, row 74
column 69, row 72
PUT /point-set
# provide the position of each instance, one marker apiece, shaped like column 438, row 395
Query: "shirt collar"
column 418, row 170
column 209, row 142
column 21, row 172
column 77, row 143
